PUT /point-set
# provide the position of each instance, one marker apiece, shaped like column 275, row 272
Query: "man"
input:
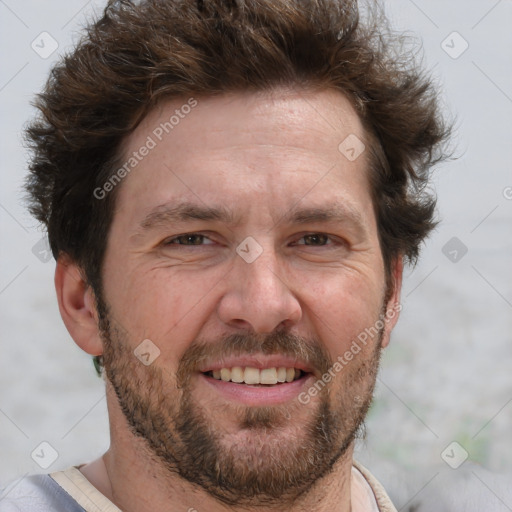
column 230, row 190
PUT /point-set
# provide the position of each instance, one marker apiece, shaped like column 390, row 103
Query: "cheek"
column 350, row 295
column 345, row 309
column 166, row 307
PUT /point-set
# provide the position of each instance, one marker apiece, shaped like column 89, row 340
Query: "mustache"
column 310, row 351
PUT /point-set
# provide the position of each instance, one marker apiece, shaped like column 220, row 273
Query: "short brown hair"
column 139, row 53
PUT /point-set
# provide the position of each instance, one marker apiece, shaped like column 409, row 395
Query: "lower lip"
column 258, row 395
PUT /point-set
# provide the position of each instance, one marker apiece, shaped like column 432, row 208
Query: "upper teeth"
column 250, row 375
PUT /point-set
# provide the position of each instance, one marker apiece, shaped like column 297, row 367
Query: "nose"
column 257, row 296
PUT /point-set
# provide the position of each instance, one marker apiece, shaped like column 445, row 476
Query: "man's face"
column 245, row 241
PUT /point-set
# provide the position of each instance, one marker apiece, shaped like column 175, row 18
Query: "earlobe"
column 77, row 306
column 393, row 306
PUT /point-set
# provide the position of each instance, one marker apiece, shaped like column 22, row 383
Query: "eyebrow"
column 330, row 212
column 166, row 214
column 182, row 212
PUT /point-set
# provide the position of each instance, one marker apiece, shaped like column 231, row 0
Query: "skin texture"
column 316, row 285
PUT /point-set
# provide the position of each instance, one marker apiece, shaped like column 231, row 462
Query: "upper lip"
column 260, row 361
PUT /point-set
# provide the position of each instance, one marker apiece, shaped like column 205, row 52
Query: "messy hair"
column 141, row 52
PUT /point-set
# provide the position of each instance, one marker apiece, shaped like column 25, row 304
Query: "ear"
column 77, row 306
column 393, row 306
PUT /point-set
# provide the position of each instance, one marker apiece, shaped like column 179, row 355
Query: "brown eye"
column 315, row 239
column 187, row 239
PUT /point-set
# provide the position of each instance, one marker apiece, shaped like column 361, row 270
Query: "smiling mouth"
column 257, row 376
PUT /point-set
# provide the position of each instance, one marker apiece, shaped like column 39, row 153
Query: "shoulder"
column 382, row 500
column 36, row 493
column 470, row 488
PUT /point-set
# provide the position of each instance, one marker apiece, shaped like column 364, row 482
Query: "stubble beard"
column 263, row 465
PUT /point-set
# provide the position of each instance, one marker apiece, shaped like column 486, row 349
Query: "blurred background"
column 443, row 404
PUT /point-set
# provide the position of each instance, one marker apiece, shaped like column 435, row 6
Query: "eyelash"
column 330, row 238
column 170, row 240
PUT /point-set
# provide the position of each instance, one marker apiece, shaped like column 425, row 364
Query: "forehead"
column 246, row 149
